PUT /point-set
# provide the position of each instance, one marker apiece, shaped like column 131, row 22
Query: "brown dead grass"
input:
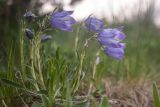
column 133, row 93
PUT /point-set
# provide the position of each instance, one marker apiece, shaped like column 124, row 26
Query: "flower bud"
column 29, row 16
column 29, row 33
column 45, row 38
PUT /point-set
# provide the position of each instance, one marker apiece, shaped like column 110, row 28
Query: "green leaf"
column 104, row 102
column 11, row 83
column 156, row 97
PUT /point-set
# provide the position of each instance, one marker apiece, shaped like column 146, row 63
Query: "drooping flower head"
column 111, row 40
column 29, row 16
column 111, row 37
column 45, row 38
column 63, row 20
column 117, row 53
column 94, row 24
column 29, row 33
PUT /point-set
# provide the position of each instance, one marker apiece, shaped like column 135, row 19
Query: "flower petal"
column 63, row 20
column 109, row 42
column 62, row 13
column 60, row 24
column 94, row 24
column 69, row 20
column 107, row 33
column 46, row 38
column 119, row 35
column 117, row 53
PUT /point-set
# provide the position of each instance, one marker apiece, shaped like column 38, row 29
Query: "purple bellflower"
column 45, row 38
column 111, row 40
column 117, row 53
column 111, row 37
column 63, row 20
column 94, row 24
column 29, row 16
column 29, row 33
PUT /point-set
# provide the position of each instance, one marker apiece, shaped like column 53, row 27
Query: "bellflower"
column 46, row 38
column 111, row 40
column 94, row 24
column 29, row 16
column 29, row 33
column 63, row 20
column 111, row 37
column 117, row 53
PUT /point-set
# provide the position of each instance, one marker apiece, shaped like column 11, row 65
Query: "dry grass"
column 133, row 93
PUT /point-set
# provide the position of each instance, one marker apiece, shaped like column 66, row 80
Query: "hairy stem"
column 32, row 66
column 38, row 58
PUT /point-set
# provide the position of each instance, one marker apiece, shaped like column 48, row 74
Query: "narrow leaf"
column 11, row 83
column 104, row 102
column 156, row 96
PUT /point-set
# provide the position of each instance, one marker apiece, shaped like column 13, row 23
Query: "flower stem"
column 38, row 59
column 21, row 34
column 32, row 65
column 94, row 72
column 40, row 69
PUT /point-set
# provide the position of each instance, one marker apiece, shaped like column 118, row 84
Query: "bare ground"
column 134, row 93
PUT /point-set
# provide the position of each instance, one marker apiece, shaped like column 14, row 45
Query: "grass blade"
column 104, row 102
column 156, row 97
column 11, row 83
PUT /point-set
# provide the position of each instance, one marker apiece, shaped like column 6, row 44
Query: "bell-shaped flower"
column 112, row 33
column 117, row 53
column 111, row 39
column 29, row 16
column 63, row 20
column 94, row 24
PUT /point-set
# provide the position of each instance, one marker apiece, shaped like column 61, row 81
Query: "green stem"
column 80, row 68
column 94, row 72
column 40, row 69
column 32, row 66
column 23, row 75
column 81, row 62
column 76, row 41
column 39, row 65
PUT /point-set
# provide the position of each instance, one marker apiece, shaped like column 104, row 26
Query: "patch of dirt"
column 134, row 93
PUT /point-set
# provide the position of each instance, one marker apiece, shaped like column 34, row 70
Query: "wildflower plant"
column 50, row 78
